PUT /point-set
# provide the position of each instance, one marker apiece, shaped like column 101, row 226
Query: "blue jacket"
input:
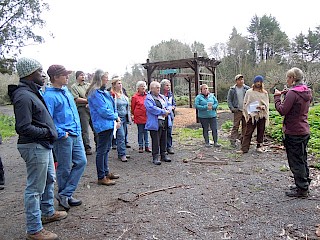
column 63, row 110
column 153, row 112
column 102, row 109
column 201, row 104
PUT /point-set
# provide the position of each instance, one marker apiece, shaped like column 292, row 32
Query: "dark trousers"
column 205, row 123
column 296, row 148
column 260, row 125
column 159, row 140
column 85, row 121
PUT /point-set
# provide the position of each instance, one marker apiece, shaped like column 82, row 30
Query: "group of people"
column 54, row 125
column 250, row 108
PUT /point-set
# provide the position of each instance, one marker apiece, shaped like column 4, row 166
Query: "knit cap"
column 78, row 73
column 258, row 78
column 27, row 66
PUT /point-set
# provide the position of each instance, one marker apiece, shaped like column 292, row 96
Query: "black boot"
column 298, row 193
column 1, row 173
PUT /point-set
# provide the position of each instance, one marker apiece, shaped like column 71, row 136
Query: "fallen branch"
column 212, row 162
column 124, row 231
column 158, row 190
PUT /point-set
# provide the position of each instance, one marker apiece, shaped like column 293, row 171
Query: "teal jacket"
column 201, row 104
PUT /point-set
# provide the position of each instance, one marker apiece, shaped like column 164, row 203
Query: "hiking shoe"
column 112, row 176
column 88, row 151
column 140, row 149
column 106, row 181
column 207, row 145
column 165, row 158
column 123, row 158
column 57, row 216
column 217, row 145
column 170, row 151
column 147, row 149
column 298, row 193
column 42, row 235
column 156, row 160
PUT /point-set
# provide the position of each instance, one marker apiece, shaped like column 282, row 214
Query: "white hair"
column 141, row 83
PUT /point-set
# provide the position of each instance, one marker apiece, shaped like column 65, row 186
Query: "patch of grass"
column 223, row 106
column 284, row 168
column 7, row 126
column 227, row 125
column 186, row 134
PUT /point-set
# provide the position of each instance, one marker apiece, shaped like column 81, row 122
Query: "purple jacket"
column 295, row 108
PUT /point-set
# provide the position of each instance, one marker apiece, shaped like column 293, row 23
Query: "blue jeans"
column 169, row 137
column 104, row 145
column 72, row 161
column 121, row 145
column 143, row 136
column 39, row 192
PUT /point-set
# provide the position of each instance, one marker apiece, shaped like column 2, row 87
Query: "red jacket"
column 138, row 110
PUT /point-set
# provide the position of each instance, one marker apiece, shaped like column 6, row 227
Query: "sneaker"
column 106, row 181
column 217, row 145
column 57, row 216
column 140, row 149
column 42, row 235
column 259, row 150
column 298, row 193
column 147, row 149
column 63, row 202
column 123, row 158
column 240, row 152
column 165, row 158
column 73, row 202
column 207, row 145
column 156, row 160
column 112, row 176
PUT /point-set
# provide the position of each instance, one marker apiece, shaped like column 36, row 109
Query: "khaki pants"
column 238, row 119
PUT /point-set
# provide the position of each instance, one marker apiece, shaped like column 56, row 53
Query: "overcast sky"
column 115, row 34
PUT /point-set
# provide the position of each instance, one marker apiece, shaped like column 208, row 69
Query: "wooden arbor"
column 194, row 63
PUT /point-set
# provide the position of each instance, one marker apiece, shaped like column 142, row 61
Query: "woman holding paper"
column 104, row 115
column 256, row 113
column 206, row 104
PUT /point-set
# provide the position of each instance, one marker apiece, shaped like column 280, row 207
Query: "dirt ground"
column 202, row 194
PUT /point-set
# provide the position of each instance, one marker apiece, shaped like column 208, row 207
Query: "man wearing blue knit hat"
column 37, row 133
column 256, row 113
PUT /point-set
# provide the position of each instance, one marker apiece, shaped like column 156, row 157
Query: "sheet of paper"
column 252, row 107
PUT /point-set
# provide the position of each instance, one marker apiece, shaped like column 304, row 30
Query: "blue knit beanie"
column 258, row 78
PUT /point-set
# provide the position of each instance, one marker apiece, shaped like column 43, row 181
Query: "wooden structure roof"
column 194, row 63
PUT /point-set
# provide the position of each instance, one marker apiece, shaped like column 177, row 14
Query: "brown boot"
column 42, row 235
column 112, row 176
column 106, row 181
column 57, row 216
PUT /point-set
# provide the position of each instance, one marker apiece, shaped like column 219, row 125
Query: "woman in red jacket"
column 138, row 114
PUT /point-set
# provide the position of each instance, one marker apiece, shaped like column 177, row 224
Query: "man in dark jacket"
column 235, row 102
column 37, row 133
column 295, row 108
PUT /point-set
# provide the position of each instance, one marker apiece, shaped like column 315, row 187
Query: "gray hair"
column 297, row 75
column 141, row 83
column 154, row 84
column 163, row 83
column 96, row 82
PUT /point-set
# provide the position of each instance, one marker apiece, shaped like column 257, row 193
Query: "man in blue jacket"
column 37, row 133
column 68, row 149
